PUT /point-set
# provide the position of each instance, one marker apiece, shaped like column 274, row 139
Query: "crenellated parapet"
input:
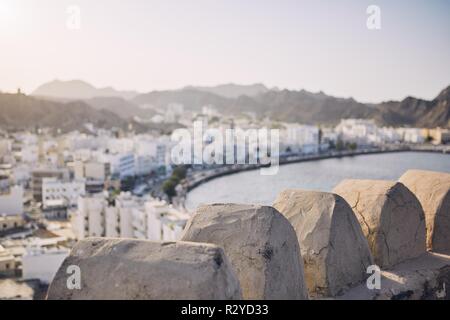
column 308, row 245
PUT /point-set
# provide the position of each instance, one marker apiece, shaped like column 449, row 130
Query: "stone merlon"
column 433, row 191
column 145, row 270
column 391, row 218
column 335, row 252
column 261, row 245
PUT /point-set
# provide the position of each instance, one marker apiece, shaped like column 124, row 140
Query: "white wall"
column 69, row 191
column 12, row 203
column 95, row 170
column 96, row 214
column 126, row 226
column 112, row 228
column 92, row 208
column 42, row 264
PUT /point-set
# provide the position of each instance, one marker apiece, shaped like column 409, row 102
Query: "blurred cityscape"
column 57, row 188
column 81, row 159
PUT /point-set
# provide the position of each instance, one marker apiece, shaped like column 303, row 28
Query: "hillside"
column 418, row 112
column 313, row 108
column 232, row 90
column 79, row 90
column 19, row 111
column 123, row 108
column 191, row 99
column 230, row 99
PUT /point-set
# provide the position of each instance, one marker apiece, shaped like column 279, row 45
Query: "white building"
column 42, row 263
column 389, row 135
column 120, row 145
column 89, row 218
column 411, row 135
column 64, row 191
column 144, row 165
column 361, row 131
column 161, row 155
column 112, row 222
column 301, row 138
column 173, row 112
column 21, row 174
column 121, row 164
column 7, row 262
column 11, row 203
column 5, row 147
column 162, row 222
column 125, row 205
column 91, row 170
column 11, row 222
column 131, row 217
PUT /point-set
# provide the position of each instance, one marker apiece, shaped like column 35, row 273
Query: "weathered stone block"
column 135, row 269
column 426, row 277
column 433, row 191
column 334, row 250
column 390, row 216
column 260, row 244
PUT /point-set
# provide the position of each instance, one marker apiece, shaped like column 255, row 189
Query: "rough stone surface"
column 391, row 218
column 261, row 245
column 135, row 269
column 334, row 250
column 433, row 191
column 423, row 278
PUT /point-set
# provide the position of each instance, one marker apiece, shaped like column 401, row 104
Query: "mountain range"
column 310, row 108
column 19, row 111
column 22, row 112
column 68, row 104
column 232, row 90
column 79, row 90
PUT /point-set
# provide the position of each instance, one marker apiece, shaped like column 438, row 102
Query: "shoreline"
column 204, row 176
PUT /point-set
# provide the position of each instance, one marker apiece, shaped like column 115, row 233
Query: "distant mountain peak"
column 444, row 94
column 78, row 89
column 232, row 90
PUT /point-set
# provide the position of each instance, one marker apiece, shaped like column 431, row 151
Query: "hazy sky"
column 148, row 45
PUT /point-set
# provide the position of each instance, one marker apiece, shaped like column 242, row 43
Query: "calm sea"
column 323, row 175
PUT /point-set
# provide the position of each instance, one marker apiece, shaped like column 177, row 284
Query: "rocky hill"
column 417, row 112
column 125, row 109
column 232, row 100
column 232, row 90
column 313, row 108
column 79, row 90
column 18, row 111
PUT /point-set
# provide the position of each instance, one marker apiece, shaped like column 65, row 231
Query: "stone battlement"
column 308, row 245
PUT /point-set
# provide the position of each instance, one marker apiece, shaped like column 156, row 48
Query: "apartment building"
column 129, row 217
column 38, row 175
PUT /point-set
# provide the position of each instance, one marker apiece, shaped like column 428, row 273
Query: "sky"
column 149, row 45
